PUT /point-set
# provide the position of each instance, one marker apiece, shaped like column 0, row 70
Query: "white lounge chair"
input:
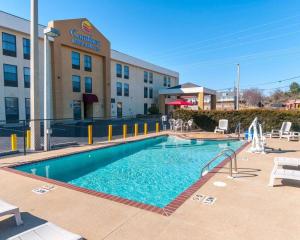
column 280, row 173
column 283, row 132
column 223, row 126
column 8, row 209
column 46, row 231
column 291, row 136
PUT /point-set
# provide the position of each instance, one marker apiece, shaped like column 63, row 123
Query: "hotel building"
column 89, row 79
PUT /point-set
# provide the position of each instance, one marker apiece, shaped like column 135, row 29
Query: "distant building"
column 293, row 104
column 200, row 97
column 226, row 100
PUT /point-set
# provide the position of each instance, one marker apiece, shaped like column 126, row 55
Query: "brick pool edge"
column 166, row 211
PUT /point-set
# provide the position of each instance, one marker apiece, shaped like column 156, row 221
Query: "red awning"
column 180, row 103
column 89, row 98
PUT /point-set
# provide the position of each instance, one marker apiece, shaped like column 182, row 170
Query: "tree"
column 253, row 97
column 295, row 88
column 278, row 95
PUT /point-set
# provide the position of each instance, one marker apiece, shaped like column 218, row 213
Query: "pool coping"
column 166, row 211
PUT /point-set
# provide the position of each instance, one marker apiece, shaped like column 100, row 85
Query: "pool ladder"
column 225, row 152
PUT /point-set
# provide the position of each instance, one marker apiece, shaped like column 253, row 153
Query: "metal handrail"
column 224, row 152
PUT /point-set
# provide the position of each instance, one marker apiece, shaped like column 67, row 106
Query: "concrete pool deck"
column 245, row 209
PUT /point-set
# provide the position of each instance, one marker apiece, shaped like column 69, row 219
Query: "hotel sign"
column 85, row 40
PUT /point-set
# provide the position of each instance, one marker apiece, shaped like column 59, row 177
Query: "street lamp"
column 49, row 35
column 34, row 78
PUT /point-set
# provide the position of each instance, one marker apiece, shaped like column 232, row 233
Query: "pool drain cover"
column 220, row 184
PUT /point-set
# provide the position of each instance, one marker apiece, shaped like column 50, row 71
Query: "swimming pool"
column 152, row 171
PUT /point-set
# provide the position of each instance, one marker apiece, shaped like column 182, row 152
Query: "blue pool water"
column 153, row 171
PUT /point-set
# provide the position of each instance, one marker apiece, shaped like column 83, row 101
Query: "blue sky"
column 201, row 39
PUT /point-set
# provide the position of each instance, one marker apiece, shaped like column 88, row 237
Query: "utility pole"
column 238, row 88
column 34, row 78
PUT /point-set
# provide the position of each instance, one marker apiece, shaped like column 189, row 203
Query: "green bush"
column 270, row 119
column 153, row 110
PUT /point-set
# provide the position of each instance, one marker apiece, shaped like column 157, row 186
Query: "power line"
column 214, row 45
column 193, row 51
column 286, row 51
column 275, row 88
column 265, row 83
column 228, row 34
column 278, row 81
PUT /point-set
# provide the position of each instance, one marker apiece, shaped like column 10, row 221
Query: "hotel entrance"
column 88, row 101
column 88, row 110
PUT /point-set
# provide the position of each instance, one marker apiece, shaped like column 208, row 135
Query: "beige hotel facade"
column 89, row 79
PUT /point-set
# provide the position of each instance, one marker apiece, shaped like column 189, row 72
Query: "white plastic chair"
column 178, row 125
column 8, row 209
column 188, row 125
column 279, row 172
column 284, row 130
column 171, row 123
column 223, row 126
column 47, row 231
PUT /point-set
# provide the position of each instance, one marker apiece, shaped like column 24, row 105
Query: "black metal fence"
column 15, row 137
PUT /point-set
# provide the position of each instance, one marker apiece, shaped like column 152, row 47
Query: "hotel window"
column 10, row 75
column 126, row 89
column 126, row 72
column 27, row 108
column 26, row 72
column 76, row 109
column 88, row 85
column 119, row 70
column 150, row 92
column 87, row 63
column 169, row 82
column 165, row 81
column 145, row 76
column 12, row 109
column 145, row 92
column 26, row 48
column 145, row 108
column 9, row 47
column 76, row 83
column 75, row 60
column 119, row 89
column 151, row 77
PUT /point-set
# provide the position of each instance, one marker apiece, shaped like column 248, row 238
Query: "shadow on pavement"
column 8, row 227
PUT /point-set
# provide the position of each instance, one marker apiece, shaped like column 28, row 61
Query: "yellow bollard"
column 145, row 128
column 124, row 131
column 13, row 142
column 157, row 127
column 28, row 137
column 90, row 134
column 136, row 130
column 109, row 132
